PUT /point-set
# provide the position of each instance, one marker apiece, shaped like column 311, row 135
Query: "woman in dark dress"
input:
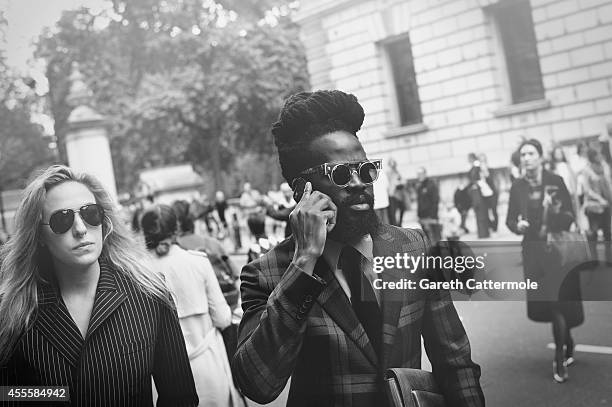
column 539, row 204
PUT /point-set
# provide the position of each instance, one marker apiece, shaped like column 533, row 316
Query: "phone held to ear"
column 298, row 186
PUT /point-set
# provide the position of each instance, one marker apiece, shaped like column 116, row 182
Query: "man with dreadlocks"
column 310, row 308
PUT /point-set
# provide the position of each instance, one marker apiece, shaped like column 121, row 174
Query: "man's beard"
column 351, row 224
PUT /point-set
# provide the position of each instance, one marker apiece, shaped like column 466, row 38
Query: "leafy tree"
column 181, row 81
column 22, row 146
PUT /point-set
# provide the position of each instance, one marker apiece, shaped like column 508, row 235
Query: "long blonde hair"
column 23, row 258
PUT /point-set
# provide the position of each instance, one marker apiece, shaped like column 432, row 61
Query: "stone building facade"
column 483, row 73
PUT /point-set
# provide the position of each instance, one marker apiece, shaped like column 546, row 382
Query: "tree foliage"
column 180, row 80
column 22, row 147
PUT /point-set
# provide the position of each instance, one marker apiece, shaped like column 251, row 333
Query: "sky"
column 26, row 20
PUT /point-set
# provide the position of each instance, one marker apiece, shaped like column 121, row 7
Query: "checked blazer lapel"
column 391, row 299
column 335, row 302
column 388, row 243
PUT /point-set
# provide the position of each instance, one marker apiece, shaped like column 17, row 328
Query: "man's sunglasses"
column 61, row 221
column 341, row 173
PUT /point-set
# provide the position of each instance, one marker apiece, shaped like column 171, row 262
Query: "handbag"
column 566, row 254
column 571, row 248
column 412, row 388
column 593, row 208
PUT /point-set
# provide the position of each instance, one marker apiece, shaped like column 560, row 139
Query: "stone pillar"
column 87, row 144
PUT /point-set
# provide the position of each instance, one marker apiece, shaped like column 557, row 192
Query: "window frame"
column 394, row 101
column 512, row 106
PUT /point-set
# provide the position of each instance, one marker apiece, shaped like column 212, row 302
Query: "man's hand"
column 522, row 224
column 313, row 217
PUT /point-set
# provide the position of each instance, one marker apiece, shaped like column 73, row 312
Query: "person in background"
column 578, row 164
column 236, row 232
column 272, row 198
column 540, row 203
column 381, row 197
column 284, row 208
column 462, row 202
column 227, row 273
column 262, row 244
column 203, row 210
column 427, row 206
column 597, row 190
column 479, row 203
column 201, row 308
column 249, row 200
column 397, row 194
column 81, row 306
column 221, row 207
column 489, row 192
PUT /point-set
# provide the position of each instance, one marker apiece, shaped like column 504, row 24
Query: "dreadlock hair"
column 306, row 116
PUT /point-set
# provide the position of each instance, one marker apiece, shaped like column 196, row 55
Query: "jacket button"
column 308, row 298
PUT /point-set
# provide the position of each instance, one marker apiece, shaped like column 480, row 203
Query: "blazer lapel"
column 56, row 325
column 391, row 299
column 386, row 244
column 108, row 298
column 334, row 301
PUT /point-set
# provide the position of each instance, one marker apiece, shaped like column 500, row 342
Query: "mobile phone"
column 298, row 186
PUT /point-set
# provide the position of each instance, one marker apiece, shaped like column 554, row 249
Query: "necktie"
column 363, row 298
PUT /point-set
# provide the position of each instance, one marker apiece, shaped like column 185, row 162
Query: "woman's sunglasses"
column 61, row 221
column 341, row 173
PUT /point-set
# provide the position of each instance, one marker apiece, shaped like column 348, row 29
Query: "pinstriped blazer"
column 304, row 327
column 130, row 337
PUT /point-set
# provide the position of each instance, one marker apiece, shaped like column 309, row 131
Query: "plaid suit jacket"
column 298, row 326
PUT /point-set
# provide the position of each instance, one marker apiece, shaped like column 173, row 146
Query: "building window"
column 399, row 52
column 520, row 55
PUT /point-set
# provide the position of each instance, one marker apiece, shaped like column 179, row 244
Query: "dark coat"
column 130, row 338
column 536, row 263
column 427, row 199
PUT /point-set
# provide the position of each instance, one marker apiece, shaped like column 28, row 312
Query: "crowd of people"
column 86, row 304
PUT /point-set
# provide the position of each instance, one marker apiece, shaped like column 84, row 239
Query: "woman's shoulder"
column 137, row 289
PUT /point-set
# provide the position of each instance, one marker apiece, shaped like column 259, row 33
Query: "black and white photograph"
column 307, row 203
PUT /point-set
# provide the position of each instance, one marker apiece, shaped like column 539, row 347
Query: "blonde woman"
column 78, row 305
column 202, row 309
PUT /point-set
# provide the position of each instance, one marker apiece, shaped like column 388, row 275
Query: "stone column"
column 87, row 144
